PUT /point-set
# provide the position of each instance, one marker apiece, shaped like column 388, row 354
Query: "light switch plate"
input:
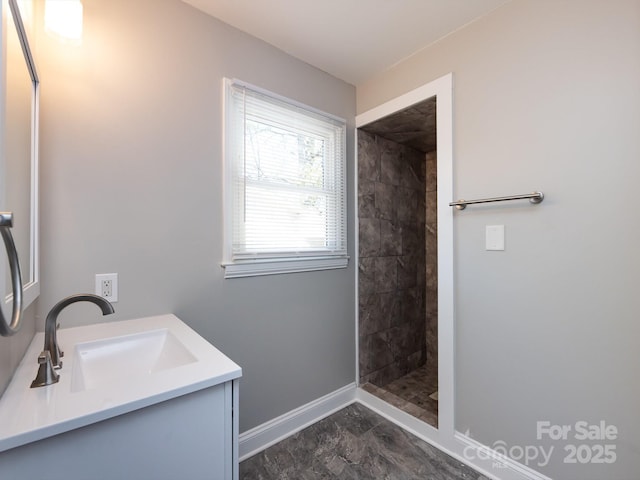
column 495, row 237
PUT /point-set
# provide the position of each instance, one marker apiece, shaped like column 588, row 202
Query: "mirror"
column 19, row 155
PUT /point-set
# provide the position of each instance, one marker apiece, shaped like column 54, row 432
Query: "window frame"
column 282, row 262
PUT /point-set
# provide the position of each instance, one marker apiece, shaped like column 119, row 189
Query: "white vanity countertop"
column 31, row 414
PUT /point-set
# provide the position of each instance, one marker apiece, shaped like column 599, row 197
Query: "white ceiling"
column 350, row 39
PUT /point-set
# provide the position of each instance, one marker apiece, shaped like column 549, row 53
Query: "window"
column 285, row 199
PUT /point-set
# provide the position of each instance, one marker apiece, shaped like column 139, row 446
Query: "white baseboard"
column 263, row 436
column 477, row 449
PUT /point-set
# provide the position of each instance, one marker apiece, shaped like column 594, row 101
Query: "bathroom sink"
column 103, row 362
column 109, row 369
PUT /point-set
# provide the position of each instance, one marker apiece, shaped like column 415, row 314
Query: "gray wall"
column 132, row 183
column 545, row 97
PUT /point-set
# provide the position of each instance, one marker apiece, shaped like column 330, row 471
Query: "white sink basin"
column 109, row 369
column 104, row 362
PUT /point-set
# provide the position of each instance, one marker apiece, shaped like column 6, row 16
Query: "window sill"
column 252, row 268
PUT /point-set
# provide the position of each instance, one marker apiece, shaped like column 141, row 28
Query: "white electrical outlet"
column 107, row 286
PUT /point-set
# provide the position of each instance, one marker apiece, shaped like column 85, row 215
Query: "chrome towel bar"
column 535, row 197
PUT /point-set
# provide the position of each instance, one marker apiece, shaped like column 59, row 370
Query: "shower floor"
column 412, row 394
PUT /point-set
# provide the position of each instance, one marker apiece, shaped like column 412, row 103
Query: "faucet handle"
column 46, row 374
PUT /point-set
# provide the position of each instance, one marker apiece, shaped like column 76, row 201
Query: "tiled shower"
column 397, row 185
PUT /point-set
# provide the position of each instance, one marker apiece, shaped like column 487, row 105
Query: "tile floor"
column 354, row 443
column 411, row 394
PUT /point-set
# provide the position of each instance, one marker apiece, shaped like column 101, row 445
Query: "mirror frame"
column 31, row 278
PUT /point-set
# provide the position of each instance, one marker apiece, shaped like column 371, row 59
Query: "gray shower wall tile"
column 369, row 244
column 386, row 201
column 368, row 157
column 432, row 208
column 431, row 304
column 412, row 301
column 431, row 278
column 377, row 353
column 432, row 340
column 376, row 312
column 408, row 203
column 392, row 215
column 421, row 215
column 391, row 165
column 405, row 348
column 367, row 199
column 431, row 172
column 431, row 252
column 390, row 238
column 416, row 342
column 400, row 342
column 368, row 314
column 367, row 276
column 389, row 307
column 421, row 275
column 431, row 241
column 417, row 359
column 413, row 240
column 383, row 375
column 408, row 267
column 413, row 172
column 386, row 274
column 415, row 126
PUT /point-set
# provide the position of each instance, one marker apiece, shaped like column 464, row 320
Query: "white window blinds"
column 286, row 180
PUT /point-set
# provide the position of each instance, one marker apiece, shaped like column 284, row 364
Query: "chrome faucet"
column 50, row 324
